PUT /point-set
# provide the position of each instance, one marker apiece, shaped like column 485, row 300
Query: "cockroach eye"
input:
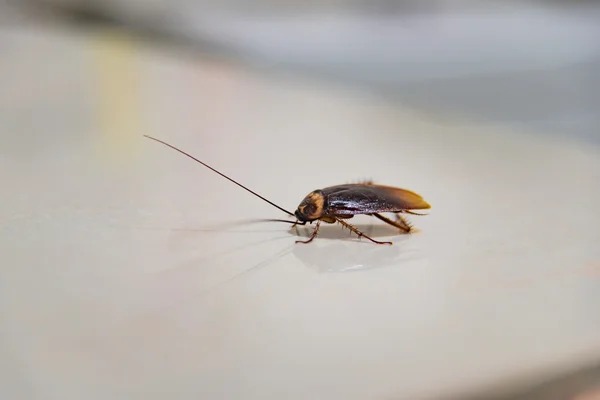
column 309, row 210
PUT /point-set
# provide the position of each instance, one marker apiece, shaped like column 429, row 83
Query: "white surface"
column 118, row 254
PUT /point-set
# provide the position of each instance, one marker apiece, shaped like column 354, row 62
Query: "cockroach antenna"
column 223, row 175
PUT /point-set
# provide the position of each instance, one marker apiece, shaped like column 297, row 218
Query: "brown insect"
column 338, row 203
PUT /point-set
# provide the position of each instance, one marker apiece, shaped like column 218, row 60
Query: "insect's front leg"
column 314, row 234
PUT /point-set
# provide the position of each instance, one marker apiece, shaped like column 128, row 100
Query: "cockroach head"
column 311, row 208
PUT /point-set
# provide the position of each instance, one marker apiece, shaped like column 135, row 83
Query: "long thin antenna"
column 224, row 176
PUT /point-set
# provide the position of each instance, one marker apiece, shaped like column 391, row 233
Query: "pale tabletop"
column 127, row 271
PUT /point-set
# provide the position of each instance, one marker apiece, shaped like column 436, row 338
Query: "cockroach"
column 341, row 202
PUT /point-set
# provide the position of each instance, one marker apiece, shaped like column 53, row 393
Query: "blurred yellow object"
column 116, row 89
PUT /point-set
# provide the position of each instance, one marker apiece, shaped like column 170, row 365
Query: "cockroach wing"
column 367, row 199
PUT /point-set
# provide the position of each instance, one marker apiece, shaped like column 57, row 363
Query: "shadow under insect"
column 338, row 231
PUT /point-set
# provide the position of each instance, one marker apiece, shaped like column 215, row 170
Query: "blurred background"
column 531, row 65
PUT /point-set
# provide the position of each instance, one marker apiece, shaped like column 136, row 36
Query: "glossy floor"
column 128, row 271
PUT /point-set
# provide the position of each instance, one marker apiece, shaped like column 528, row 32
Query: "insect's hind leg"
column 359, row 233
column 403, row 220
column 401, row 223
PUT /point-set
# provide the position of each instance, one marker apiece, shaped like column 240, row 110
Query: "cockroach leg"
column 413, row 213
column 407, row 224
column 329, row 219
column 359, row 233
column 402, row 224
column 314, row 234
